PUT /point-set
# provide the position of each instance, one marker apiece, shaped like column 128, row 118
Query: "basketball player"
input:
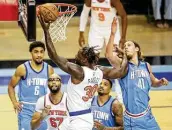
column 52, row 106
column 31, row 77
column 107, row 111
column 84, row 80
column 102, row 14
column 135, row 86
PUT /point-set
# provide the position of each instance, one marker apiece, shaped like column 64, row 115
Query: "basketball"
column 49, row 12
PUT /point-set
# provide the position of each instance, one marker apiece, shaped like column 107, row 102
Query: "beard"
column 78, row 62
column 38, row 62
column 100, row 93
column 55, row 89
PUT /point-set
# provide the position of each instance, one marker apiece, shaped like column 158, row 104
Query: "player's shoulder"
column 116, row 105
column 21, row 70
column 42, row 99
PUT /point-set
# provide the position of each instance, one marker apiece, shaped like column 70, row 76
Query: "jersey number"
column 36, row 90
column 90, row 91
column 101, row 16
column 53, row 121
column 141, row 83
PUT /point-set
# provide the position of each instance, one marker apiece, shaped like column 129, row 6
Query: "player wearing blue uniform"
column 107, row 111
column 31, row 77
column 135, row 86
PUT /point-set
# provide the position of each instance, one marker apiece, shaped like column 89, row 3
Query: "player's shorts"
column 100, row 36
column 65, row 124
column 79, row 120
column 25, row 117
column 144, row 122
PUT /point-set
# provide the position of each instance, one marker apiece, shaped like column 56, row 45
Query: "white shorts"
column 81, row 122
column 65, row 124
column 100, row 36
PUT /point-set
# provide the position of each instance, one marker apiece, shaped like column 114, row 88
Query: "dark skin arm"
column 117, row 110
column 122, row 13
column 74, row 70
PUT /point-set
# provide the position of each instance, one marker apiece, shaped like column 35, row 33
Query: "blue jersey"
column 34, row 84
column 135, row 87
column 103, row 113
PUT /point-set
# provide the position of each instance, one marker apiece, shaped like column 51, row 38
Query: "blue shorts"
column 145, row 122
column 25, row 117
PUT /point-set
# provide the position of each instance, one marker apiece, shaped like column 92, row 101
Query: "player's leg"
column 156, row 4
column 95, row 39
column 168, row 12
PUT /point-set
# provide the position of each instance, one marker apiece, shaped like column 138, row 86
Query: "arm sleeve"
column 84, row 18
column 40, row 105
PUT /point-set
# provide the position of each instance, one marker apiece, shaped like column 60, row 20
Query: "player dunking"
column 85, row 77
column 102, row 14
column 135, row 86
column 32, row 79
column 51, row 107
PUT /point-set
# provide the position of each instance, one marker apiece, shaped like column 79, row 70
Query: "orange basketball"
column 49, row 12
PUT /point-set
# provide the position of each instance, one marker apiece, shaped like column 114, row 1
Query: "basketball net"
column 57, row 29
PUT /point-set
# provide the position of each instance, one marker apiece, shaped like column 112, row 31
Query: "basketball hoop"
column 57, row 29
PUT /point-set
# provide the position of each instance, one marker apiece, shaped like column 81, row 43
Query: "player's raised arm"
column 75, row 70
column 83, row 21
column 122, row 13
column 114, row 73
column 156, row 82
column 112, row 57
column 20, row 71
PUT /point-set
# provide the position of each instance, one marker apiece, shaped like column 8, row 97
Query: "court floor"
column 161, row 103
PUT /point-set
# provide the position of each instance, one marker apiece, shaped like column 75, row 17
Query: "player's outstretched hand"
column 81, row 40
column 17, row 106
column 114, row 25
column 98, row 125
column 164, row 81
column 44, row 25
column 45, row 111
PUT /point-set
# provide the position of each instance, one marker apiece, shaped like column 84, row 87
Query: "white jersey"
column 80, row 95
column 57, row 113
column 102, row 14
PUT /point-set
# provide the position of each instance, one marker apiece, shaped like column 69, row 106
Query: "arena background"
column 155, row 43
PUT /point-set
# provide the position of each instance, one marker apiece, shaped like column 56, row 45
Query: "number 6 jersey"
column 57, row 113
column 34, row 84
column 80, row 95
